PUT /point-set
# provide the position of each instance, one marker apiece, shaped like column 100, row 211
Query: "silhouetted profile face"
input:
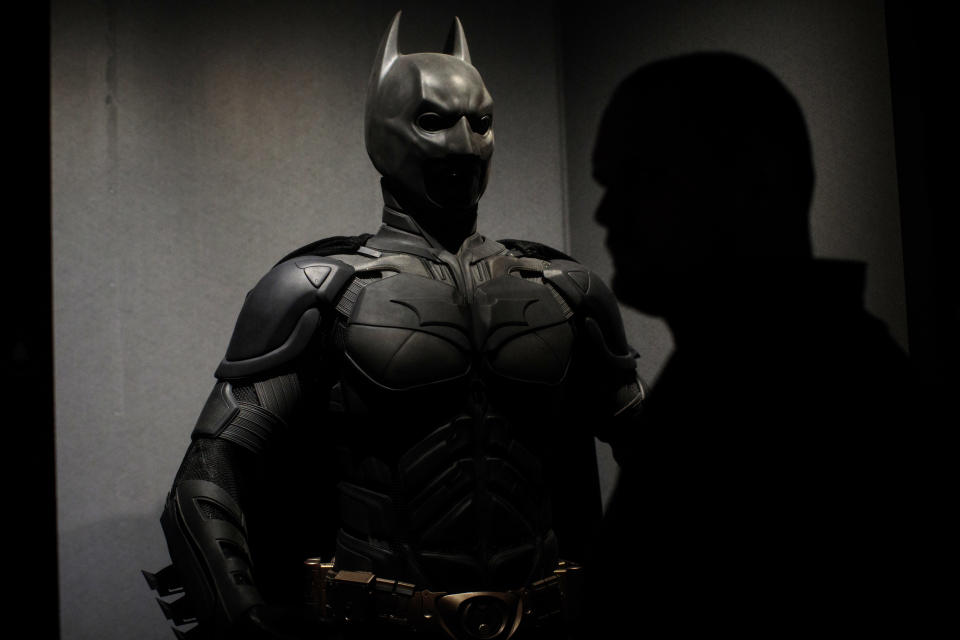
column 428, row 123
column 706, row 167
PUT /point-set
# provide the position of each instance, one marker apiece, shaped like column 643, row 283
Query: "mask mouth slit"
column 454, row 180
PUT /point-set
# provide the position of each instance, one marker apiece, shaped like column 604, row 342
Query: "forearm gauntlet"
column 203, row 520
column 206, row 536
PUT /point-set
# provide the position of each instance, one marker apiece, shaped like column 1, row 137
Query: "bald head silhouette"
column 707, row 168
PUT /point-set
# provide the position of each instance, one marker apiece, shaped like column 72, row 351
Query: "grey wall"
column 193, row 145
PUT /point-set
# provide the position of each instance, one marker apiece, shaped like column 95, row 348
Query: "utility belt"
column 359, row 598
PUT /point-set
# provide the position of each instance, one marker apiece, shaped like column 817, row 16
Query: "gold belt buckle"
column 480, row 615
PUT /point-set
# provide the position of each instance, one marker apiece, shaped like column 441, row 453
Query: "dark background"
column 576, row 55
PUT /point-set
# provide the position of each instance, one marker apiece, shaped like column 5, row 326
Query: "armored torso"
column 451, row 384
column 459, row 394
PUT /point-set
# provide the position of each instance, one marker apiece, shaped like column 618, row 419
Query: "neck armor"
column 428, row 128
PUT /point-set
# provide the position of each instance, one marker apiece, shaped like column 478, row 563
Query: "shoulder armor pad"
column 595, row 304
column 529, row 249
column 281, row 313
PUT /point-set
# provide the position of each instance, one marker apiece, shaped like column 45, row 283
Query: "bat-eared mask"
column 428, row 128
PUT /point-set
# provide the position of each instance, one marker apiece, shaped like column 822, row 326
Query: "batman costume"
column 438, row 393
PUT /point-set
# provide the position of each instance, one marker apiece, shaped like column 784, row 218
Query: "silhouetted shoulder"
column 597, row 308
column 530, row 249
column 281, row 314
column 586, row 294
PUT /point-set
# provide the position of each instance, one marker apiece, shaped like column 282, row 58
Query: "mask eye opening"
column 430, row 121
column 481, row 124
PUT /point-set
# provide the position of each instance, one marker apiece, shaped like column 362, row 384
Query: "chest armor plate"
column 407, row 331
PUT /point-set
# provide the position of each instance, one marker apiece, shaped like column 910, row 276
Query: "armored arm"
column 254, row 403
column 614, row 389
column 204, row 519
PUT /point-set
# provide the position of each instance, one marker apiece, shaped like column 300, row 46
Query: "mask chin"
column 454, row 182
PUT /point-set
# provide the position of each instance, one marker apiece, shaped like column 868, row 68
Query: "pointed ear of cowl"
column 457, row 42
column 387, row 53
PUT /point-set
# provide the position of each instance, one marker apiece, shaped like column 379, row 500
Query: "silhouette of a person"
column 762, row 491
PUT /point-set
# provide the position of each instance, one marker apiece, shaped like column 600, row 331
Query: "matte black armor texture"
column 457, row 391
column 280, row 315
column 206, row 533
column 429, row 394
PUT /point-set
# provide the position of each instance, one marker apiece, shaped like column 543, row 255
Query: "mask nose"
column 460, row 138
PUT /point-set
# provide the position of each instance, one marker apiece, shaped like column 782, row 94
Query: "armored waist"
column 362, row 599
